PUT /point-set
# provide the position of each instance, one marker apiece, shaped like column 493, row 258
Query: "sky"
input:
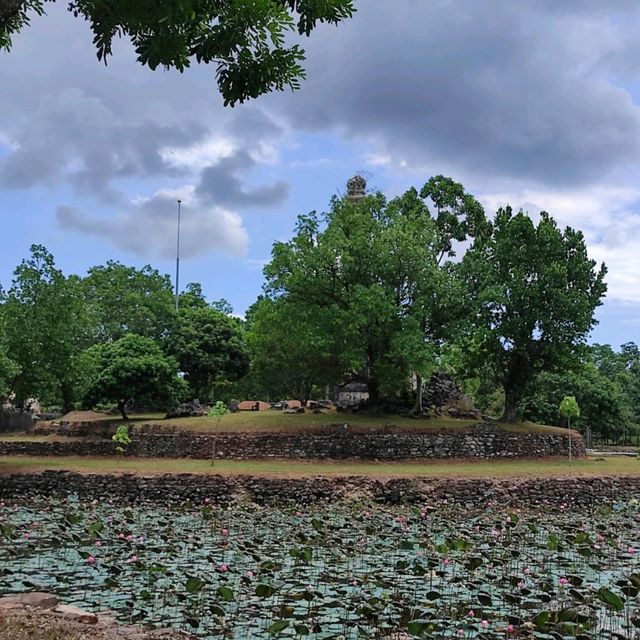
column 534, row 104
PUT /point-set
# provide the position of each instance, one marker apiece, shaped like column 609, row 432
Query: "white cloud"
column 609, row 217
column 199, row 155
column 377, row 159
column 148, row 227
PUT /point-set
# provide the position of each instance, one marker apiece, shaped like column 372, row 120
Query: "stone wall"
column 476, row 494
column 483, row 441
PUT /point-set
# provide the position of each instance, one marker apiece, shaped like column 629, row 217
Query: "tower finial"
column 356, row 188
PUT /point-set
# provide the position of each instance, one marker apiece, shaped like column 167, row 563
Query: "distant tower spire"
column 355, row 188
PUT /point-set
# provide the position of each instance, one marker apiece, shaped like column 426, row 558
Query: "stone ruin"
column 442, row 396
column 192, row 409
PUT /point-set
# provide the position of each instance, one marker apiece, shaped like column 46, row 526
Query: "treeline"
column 113, row 337
column 385, row 291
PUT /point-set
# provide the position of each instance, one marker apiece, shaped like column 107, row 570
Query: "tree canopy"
column 134, row 369
column 375, row 266
column 247, row 41
column 209, row 347
column 122, row 300
column 534, row 292
column 45, row 329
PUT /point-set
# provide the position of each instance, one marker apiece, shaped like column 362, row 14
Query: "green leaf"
column 265, row 590
column 225, row 593
column 278, row 626
column 611, row 599
column 542, row 619
column 418, row 627
column 194, row 584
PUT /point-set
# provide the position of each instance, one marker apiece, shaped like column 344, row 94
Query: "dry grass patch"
column 543, row 468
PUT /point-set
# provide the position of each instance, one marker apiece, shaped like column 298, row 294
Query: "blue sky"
column 526, row 103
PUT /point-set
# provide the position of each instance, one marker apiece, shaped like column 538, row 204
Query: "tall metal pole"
column 178, row 256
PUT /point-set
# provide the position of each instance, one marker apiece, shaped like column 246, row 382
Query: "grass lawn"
column 298, row 469
column 276, row 421
column 271, row 421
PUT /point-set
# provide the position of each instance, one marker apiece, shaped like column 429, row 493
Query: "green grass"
column 272, row 421
column 27, row 437
column 276, row 421
column 293, row 468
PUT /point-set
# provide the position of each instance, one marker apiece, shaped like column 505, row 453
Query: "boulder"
column 192, row 409
column 441, row 395
column 35, row 599
column 70, row 612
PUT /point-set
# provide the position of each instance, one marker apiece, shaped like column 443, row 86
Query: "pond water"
column 333, row 571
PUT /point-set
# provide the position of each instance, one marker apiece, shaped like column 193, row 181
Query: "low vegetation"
column 346, row 570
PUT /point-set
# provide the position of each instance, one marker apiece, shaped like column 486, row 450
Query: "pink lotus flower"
column 133, row 558
column 484, row 624
column 250, row 574
column 521, row 584
column 98, row 543
column 472, row 613
column 446, row 561
column 224, row 567
column 91, row 560
column 224, row 532
column 26, row 535
column 527, row 571
column 631, row 550
column 129, row 538
column 460, row 632
column 564, row 581
column 510, row 628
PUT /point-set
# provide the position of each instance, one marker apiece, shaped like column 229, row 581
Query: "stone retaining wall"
column 483, row 441
column 476, row 494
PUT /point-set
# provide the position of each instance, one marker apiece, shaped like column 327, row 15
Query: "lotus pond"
column 342, row 571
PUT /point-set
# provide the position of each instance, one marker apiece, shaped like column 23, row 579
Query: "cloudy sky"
column 534, row 103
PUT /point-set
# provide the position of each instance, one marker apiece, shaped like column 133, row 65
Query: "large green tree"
column 533, row 291
column 247, row 40
column 375, row 267
column 122, row 300
column 46, row 328
column 209, row 347
column 134, row 369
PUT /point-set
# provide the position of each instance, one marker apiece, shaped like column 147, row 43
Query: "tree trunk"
column 121, row 408
column 418, row 408
column 509, row 414
column 373, row 386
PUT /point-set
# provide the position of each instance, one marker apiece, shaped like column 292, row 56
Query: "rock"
column 36, row 599
column 191, row 409
column 70, row 612
column 443, row 396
